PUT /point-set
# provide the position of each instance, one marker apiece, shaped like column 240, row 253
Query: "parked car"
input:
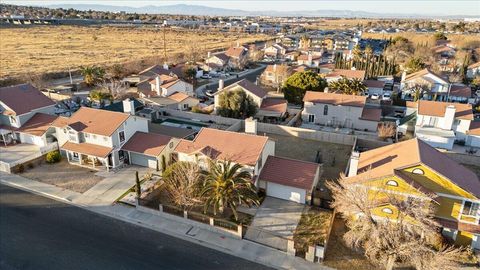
column 209, row 93
column 387, row 97
column 375, row 96
column 206, row 76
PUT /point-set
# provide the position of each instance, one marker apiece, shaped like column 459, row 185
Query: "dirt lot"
column 57, row 48
column 63, row 175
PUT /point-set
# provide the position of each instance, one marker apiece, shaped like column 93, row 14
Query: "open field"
column 422, row 38
column 45, row 49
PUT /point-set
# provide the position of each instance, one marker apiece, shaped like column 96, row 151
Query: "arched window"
column 392, row 183
column 418, row 171
column 387, row 211
column 325, row 110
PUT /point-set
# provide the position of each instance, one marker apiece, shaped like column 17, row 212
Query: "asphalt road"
column 40, row 233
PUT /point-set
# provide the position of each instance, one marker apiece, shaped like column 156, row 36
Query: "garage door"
column 286, row 192
column 142, row 160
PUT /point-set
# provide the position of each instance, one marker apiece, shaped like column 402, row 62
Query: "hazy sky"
column 438, row 7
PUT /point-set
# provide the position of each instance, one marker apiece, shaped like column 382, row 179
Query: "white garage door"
column 285, row 192
column 142, row 160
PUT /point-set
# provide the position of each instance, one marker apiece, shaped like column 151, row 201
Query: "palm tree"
column 227, row 185
column 348, row 86
column 92, row 74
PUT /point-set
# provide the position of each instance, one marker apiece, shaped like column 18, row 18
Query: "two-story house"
column 276, row 51
column 473, row 70
column 94, row 137
column 437, row 87
column 274, row 75
column 309, row 60
column 164, row 86
column 216, row 62
column 440, row 124
column 413, row 169
column 238, row 57
column 339, row 110
column 25, row 115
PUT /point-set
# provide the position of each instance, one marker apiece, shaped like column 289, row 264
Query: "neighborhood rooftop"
column 335, row 99
column 23, row 98
column 149, row 144
column 435, row 108
column 289, row 172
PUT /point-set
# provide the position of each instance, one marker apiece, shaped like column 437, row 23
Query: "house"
column 164, row 86
column 309, row 60
column 176, row 101
column 351, row 74
column 339, row 110
column 413, row 169
column 459, row 93
column 149, row 150
column 473, row 135
column 238, row 57
column 440, row 124
column 216, row 62
column 157, row 70
column 274, row 75
column 248, row 150
column 125, row 105
column 473, row 70
column 374, row 86
column 437, row 86
column 25, row 115
column 276, row 51
column 94, row 137
column 289, row 179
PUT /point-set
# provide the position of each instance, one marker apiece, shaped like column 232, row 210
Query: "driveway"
column 275, row 222
column 14, row 153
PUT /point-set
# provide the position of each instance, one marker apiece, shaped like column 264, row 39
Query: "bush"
column 20, row 168
column 53, row 157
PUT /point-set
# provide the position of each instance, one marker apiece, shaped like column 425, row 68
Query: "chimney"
column 220, row 84
column 251, row 125
column 275, row 68
column 158, row 82
column 404, row 75
column 165, row 66
column 354, row 158
column 449, row 117
column 209, row 55
column 238, row 43
column 128, row 106
column 310, row 58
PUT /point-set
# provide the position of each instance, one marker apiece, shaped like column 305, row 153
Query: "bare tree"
column 117, row 89
column 386, row 130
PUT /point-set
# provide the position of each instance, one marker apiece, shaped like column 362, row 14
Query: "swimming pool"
column 183, row 124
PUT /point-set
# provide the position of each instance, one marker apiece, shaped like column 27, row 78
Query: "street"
column 40, row 233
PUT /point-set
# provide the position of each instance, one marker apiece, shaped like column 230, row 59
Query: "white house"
column 440, row 124
column 473, row 135
column 176, row 101
column 94, row 137
column 374, row 86
column 276, row 51
column 216, row 62
column 473, row 70
column 437, row 87
column 309, row 60
column 339, row 110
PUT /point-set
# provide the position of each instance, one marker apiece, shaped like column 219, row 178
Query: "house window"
column 75, row 154
column 392, row 183
column 94, row 136
column 311, row 118
column 470, row 208
column 121, row 135
column 185, row 106
column 418, row 171
column 121, row 155
column 325, row 110
column 387, row 211
column 86, row 135
column 13, row 119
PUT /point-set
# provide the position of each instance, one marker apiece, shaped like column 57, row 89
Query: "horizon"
column 439, row 8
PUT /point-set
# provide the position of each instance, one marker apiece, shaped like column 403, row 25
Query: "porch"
column 89, row 155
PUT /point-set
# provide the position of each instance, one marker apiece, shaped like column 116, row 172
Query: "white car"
column 375, row 96
column 387, row 97
column 206, row 76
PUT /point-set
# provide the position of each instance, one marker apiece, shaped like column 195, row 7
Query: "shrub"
column 53, row 157
column 20, row 168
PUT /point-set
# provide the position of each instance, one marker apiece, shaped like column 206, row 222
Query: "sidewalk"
column 237, row 247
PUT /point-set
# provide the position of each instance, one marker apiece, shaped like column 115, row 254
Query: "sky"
column 428, row 7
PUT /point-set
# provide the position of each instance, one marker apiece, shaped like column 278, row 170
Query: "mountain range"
column 198, row 10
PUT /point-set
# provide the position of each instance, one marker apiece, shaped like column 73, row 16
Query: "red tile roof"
column 38, row 124
column 289, row 172
column 150, row 144
column 371, row 114
column 24, row 98
column 88, row 149
column 178, row 96
column 348, row 73
column 474, row 128
column 274, row 104
column 474, row 65
column 334, row 99
column 235, row 52
column 237, row 147
column 437, row 108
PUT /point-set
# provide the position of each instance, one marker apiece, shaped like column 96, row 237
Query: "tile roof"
column 474, row 65
column 371, row 114
column 149, row 144
column 437, row 108
column 412, row 104
column 38, row 124
column 350, row 74
column 422, row 73
column 278, row 68
column 334, row 99
column 474, row 128
column 304, row 57
column 374, row 83
column 95, row 121
column 289, row 172
column 88, row 149
column 247, row 85
column 23, row 98
column 221, row 56
column 236, row 52
column 383, row 161
column 178, row 96
column 274, row 104
column 237, row 147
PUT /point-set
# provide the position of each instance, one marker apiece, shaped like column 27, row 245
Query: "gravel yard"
column 63, row 175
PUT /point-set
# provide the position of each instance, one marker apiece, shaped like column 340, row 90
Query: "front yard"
column 313, row 229
column 62, row 175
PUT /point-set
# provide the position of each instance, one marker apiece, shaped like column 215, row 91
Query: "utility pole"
column 164, row 43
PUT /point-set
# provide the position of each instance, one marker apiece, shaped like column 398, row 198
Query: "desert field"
column 421, row 38
column 49, row 49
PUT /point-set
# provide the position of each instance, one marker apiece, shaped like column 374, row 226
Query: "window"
column 470, row 208
column 185, row 106
column 75, row 155
column 418, row 171
column 121, row 135
column 392, row 183
column 325, row 110
column 13, row 119
column 387, row 210
column 121, row 155
column 170, row 145
column 311, row 118
column 86, row 135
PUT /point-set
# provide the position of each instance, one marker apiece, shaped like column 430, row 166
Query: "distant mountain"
column 198, row 10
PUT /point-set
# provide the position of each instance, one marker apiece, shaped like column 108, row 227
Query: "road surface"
column 40, row 233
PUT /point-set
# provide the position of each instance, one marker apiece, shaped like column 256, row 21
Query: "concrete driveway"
column 275, row 222
column 14, row 153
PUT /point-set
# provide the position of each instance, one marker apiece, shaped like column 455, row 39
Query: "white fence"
column 7, row 167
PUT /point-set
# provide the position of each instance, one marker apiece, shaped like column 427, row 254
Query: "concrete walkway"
column 237, row 247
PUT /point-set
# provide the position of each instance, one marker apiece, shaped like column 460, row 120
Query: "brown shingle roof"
column 348, row 73
column 371, row 114
column 38, row 124
column 178, row 96
column 460, row 90
column 289, row 172
column 374, row 83
column 23, row 98
column 274, row 104
column 437, row 108
column 334, row 99
column 95, row 121
column 88, row 149
column 235, row 52
column 249, row 86
column 237, row 147
column 422, row 73
column 474, row 128
column 149, row 144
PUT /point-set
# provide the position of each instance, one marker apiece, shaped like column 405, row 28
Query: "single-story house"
column 473, row 135
column 176, row 101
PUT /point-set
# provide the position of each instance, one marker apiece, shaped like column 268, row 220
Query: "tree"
column 418, row 91
column 227, row 185
column 99, row 95
column 190, row 74
column 414, row 64
column 138, row 188
column 357, row 53
column 348, row 86
column 368, row 51
column 410, row 236
column 305, row 42
column 236, row 104
column 386, row 130
column 92, row 74
column 115, row 88
column 295, row 86
column 116, row 71
column 183, row 184
column 439, row 36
